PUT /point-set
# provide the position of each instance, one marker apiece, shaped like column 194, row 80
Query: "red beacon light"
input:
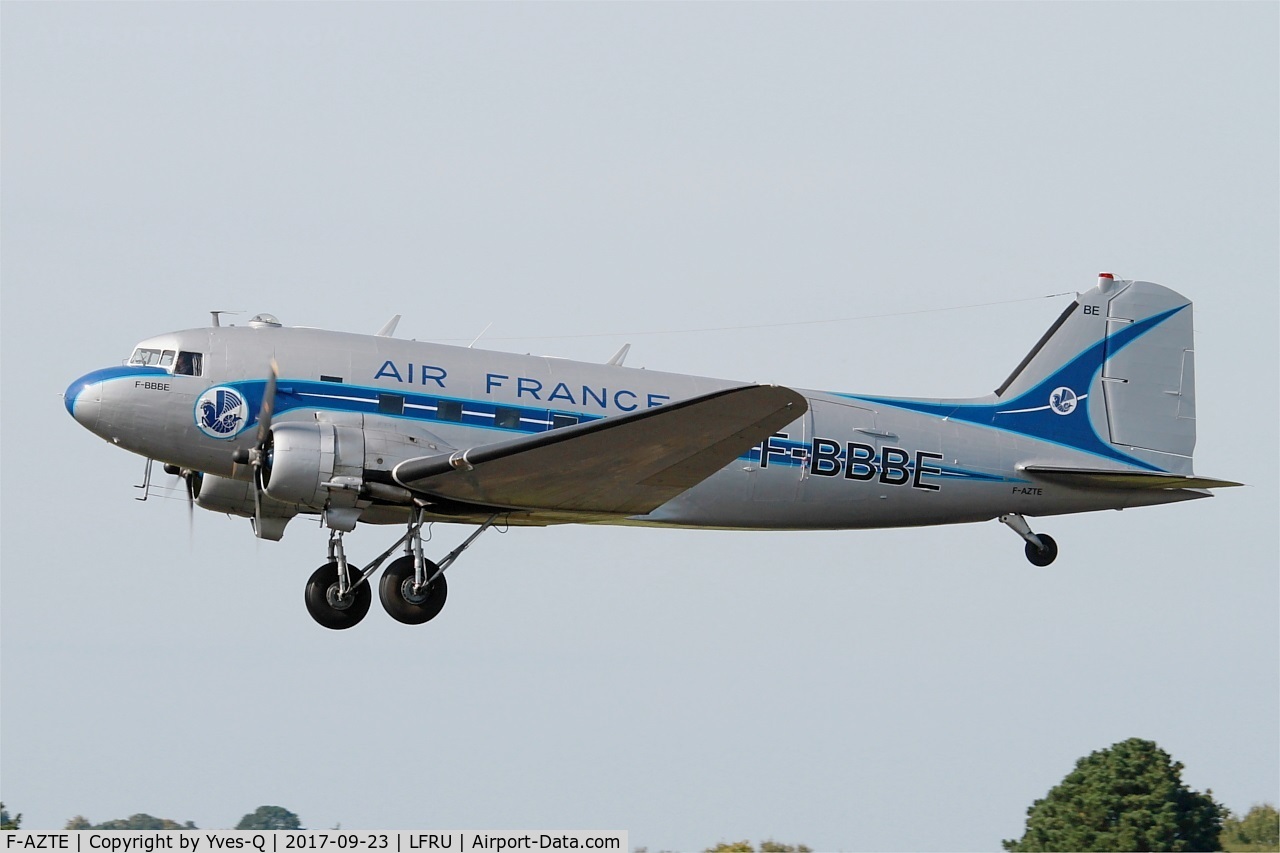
column 1105, row 280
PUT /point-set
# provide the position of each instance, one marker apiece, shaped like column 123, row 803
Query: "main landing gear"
column 1041, row 549
column 412, row 589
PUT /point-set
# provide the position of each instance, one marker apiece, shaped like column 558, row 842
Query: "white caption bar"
column 331, row 840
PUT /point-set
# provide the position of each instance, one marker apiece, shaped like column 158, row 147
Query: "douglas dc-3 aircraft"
column 269, row 422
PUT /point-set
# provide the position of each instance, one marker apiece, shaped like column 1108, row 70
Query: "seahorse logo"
column 220, row 412
column 1063, row 401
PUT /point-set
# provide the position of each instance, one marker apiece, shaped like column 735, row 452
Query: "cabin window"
column 448, row 410
column 560, row 421
column 390, row 404
column 504, row 418
column 146, row 357
column 166, row 358
column 327, row 378
column 189, row 364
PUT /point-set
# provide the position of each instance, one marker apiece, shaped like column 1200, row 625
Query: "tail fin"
column 1126, row 347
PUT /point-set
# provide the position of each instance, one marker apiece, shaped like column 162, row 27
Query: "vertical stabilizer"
column 1125, row 347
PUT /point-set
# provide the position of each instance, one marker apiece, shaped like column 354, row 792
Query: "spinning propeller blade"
column 191, row 480
column 258, row 457
column 268, row 405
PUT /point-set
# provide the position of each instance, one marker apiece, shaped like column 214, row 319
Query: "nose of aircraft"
column 83, row 400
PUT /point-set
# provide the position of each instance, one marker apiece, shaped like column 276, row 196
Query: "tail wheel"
column 401, row 602
column 329, row 608
column 1045, row 555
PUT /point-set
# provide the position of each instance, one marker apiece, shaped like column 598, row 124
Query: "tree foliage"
column 1127, row 797
column 7, row 822
column 766, row 846
column 269, row 817
column 1258, row 830
column 138, row 821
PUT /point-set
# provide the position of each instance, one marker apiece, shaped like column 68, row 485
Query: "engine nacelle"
column 305, row 458
column 223, row 494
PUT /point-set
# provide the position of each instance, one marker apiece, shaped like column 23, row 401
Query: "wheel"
column 401, row 602
column 327, row 608
column 1043, row 556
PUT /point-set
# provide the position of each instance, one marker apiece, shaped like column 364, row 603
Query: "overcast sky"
column 549, row 171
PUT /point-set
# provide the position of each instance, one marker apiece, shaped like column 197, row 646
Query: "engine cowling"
column 299, row 459
column 304, row 459
column 223, row 494
column 235, row 497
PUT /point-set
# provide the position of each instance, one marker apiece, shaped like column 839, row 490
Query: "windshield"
column 152, row 357
column 182, row 363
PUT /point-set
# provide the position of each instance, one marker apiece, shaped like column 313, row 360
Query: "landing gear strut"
column 332, row 599
column 413, row 589
column 1041, row 549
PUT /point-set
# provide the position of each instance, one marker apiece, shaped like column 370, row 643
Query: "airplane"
column 270, row 422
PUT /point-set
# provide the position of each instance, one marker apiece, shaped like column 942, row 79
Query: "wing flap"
column 1086, row 478
column 625, row 465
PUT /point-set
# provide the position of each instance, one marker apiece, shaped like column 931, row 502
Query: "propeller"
column 257, row 456
column 192, row 479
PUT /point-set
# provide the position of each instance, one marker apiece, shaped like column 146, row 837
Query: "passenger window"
column 189, row 364
column 560, row 421
column 448, row 410
column 390, row 404
column 505, row 418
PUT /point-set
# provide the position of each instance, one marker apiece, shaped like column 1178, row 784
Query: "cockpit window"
column 180, row 363
column 189, row 364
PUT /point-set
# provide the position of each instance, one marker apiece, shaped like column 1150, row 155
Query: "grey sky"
column 563, row 169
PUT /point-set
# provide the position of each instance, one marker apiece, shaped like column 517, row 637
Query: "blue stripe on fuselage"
column 306, row 394
column 425, row 408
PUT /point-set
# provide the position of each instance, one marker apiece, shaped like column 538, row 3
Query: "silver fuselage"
column 849, row 462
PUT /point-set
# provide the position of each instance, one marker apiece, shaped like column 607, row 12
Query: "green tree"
column 138, row 821
column 1258, row 830
column 1127, row 797
column 7, row 822
column 269, row 817
column 766, row 846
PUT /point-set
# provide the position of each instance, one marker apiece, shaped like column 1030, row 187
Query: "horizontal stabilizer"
column 628, row 465
column 1086, row 478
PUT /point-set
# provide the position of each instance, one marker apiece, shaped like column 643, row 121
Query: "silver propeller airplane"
column 269, row 422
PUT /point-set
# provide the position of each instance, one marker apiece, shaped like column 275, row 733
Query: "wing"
column 625, row 465
column 1085, row 478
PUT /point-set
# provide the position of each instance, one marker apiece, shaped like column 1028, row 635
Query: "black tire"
column 1043, row 556
column 398, row 599
column 324, row 606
